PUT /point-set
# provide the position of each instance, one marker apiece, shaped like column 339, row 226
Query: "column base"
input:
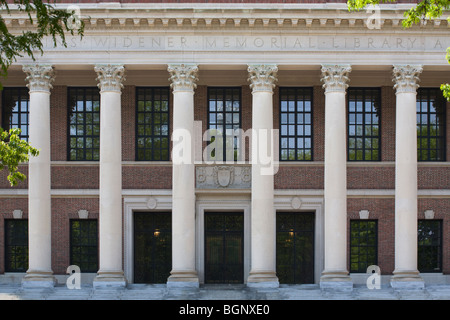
column 109, row 280
column 336, row 281
column 183, row 280
column 38, row 279
column 262, row 279
column 407, row 280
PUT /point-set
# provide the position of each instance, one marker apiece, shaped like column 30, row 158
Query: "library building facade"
column 262, row 144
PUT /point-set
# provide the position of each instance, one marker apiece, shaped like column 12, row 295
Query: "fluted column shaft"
column 263, row 229
column 183, row 82
column 110, row 274
column 406, row 83
column 39, row 274
column 335, row 274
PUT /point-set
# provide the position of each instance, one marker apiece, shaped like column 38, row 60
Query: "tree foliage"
column 14, row 151
column 45, row 21
column 424, row 10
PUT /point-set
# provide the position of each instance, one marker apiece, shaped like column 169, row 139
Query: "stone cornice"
column 117, row 15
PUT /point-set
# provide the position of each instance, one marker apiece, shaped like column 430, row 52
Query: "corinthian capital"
column 262, row 77
column 110, row 77
column 406, row 78
column 183, row 77
column 39, row 77
column 335, row 77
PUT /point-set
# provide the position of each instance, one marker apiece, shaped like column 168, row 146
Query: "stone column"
column 335, row 274
column 110, row 274
column 405, row 274
column 183, row 78
column 39, row 273
column 263, row 231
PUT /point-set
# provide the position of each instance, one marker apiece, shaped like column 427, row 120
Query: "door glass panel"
column 295, row 247
column 152, row 247
column 224, row 247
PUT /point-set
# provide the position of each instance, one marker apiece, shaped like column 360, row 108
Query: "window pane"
column 84, row 244
column 363, row 124
column 226, row 118
column 16, row 245
column 363, row 244
column 429, row 240
column 15, row 102
column 152, row 117
column 84, row 120
column 296, row 123
column 431, row 121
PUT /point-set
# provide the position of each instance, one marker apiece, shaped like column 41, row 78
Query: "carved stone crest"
column 219, row 177
column 224, row 176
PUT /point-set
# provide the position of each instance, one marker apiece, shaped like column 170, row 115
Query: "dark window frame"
column 375, row 94
column 298, row 91
column 240, row 148
column 153, row 134
column 21, row 92
column 439, row 245
column 10, row 261
column 73, row 260
column 440, row 152
column 84, row 136
column 351, row 246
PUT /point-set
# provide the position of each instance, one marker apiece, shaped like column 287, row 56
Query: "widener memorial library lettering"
column 260, row 144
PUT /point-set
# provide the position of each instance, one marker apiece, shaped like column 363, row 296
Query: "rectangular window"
column 364, row 134
column 429, row 246
column 152, row 124
column 84, row 244
column 363, row 244
column 84, row 124
column 431, row 121
column 224, row 124
column 16, row 245
column 15, row 110
column 296, row 124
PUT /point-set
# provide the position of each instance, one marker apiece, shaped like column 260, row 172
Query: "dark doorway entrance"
column 295, row 247
column 224, row 247
column 152, row 247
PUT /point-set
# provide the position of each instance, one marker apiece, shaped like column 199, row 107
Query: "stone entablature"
column 243, row 34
